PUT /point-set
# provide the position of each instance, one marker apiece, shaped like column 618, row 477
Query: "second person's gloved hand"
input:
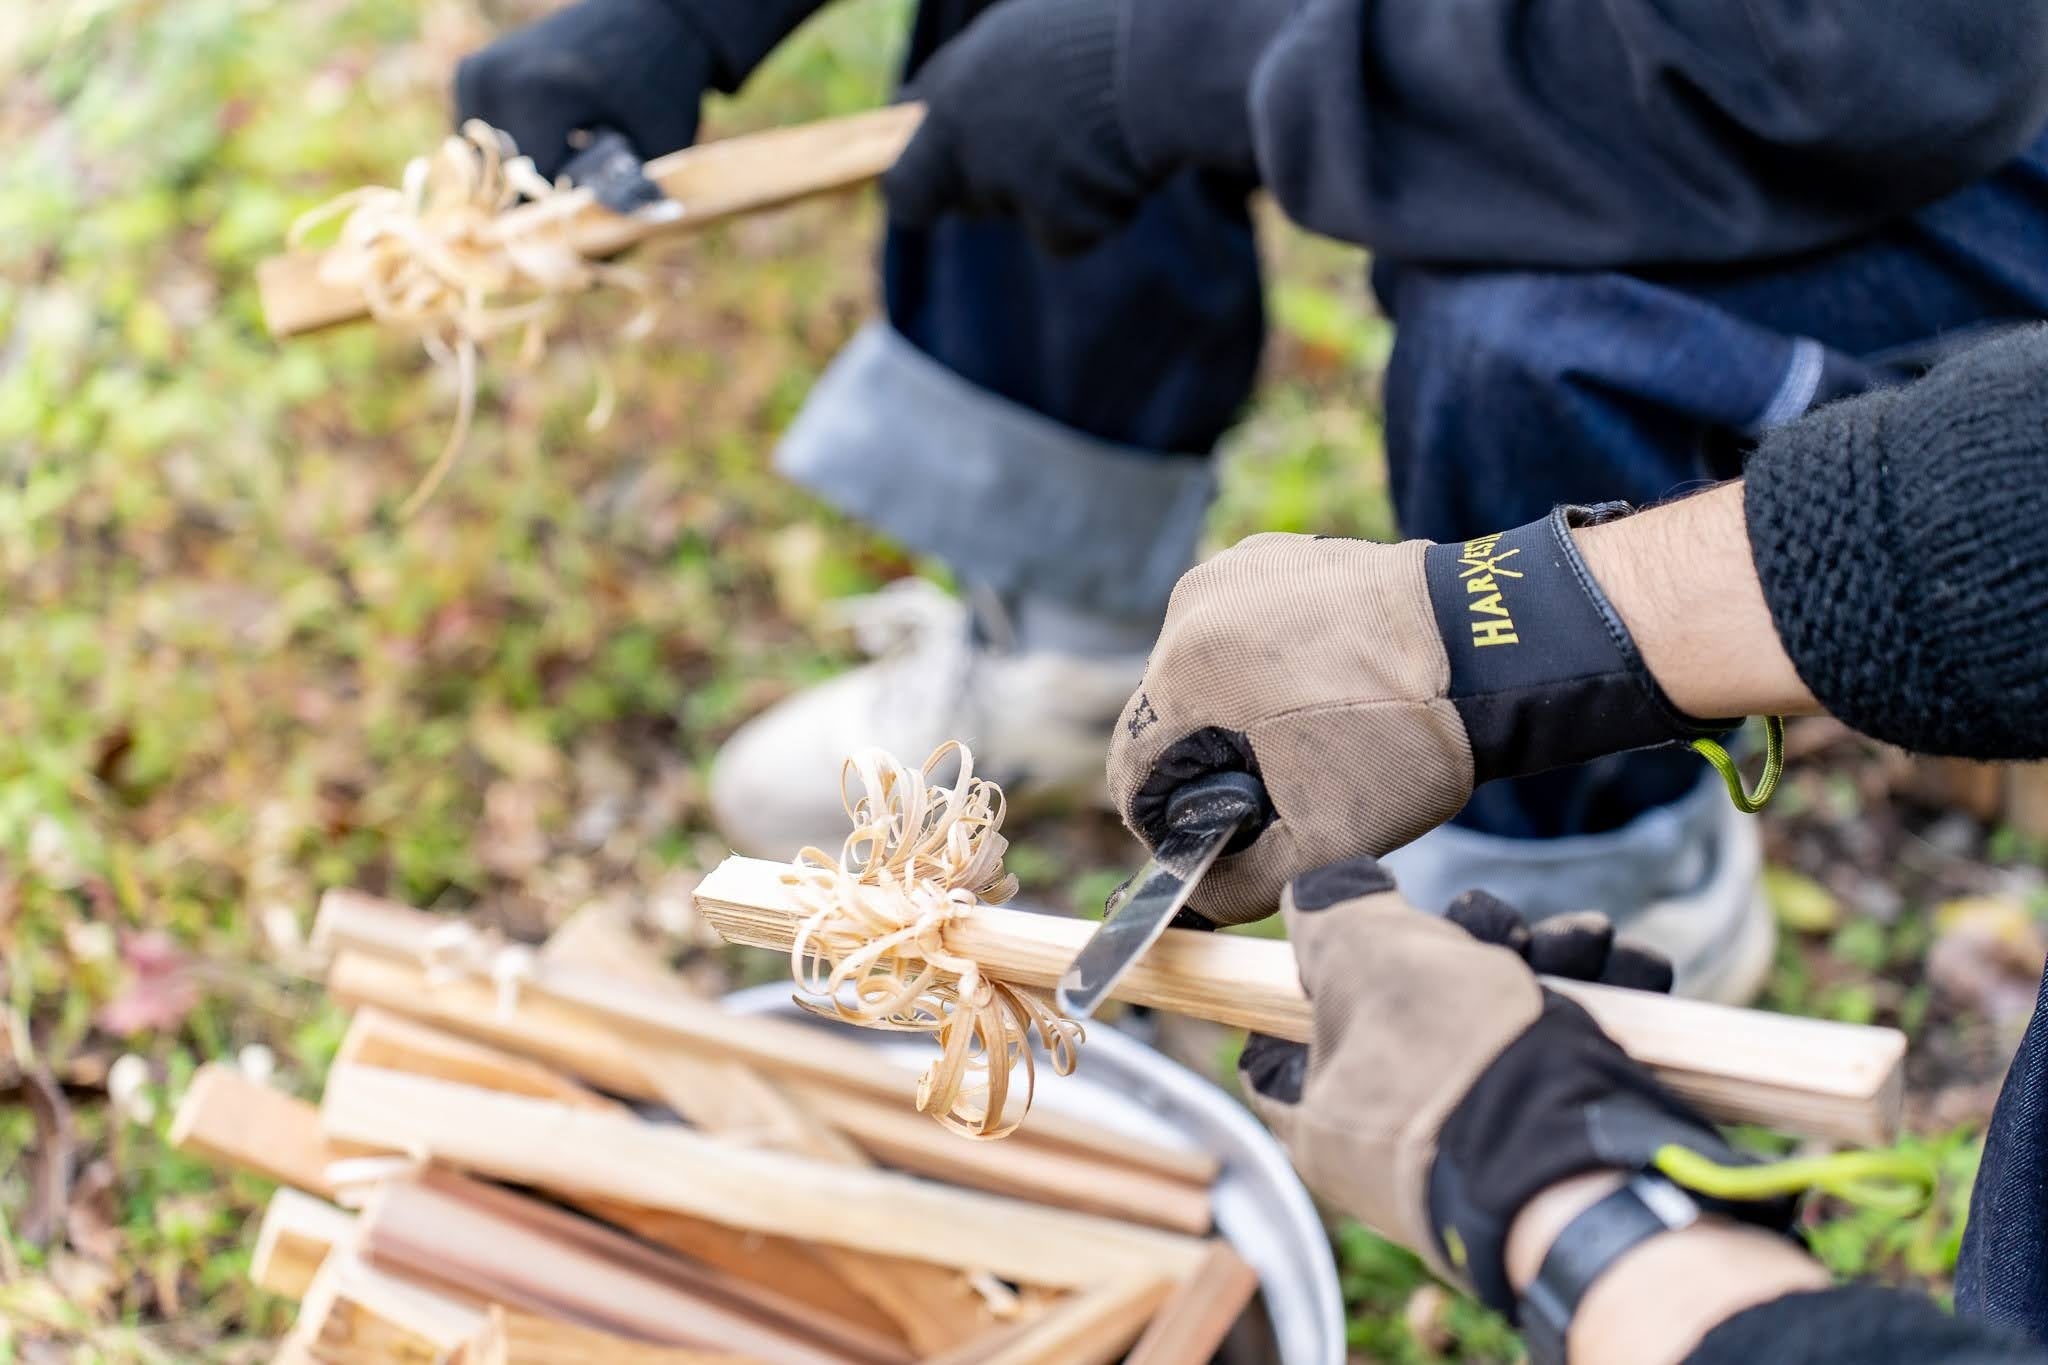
column 1445, row 1087
column 1371, row 687
column 1069, row 113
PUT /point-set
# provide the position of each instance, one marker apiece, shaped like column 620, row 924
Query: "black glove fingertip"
column 1340, row 882
column 1490, row 919
column 1274, row 1067
column 1574, row 946
column 925, row 182
column 1638, row 969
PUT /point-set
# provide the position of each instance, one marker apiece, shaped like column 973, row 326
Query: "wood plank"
column 486, row 1246
column 354, row 1314
column 233, row 1121
column 555, row 1147
column 1089, row 1329
column 712, row 181
column 294, row 1239
column 380, row 1038
column 1806, row 1076
column 523, row 1339
column 1190, row 1326
column 351, row 924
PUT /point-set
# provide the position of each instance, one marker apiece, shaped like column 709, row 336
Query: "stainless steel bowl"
column 1259, row 1201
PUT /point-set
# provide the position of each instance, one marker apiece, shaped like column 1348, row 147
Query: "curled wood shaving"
column 871, row 949
column 451, row 255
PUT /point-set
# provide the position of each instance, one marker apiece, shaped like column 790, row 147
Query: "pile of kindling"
column 561, row 1154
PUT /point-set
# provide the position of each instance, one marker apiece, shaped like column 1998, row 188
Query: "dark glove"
column 1371, row 687
column 639, row 66
column 1069, row 113
column 1445, row 1087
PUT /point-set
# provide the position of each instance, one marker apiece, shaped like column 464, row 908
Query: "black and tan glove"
column 1370, row 687
column 1444, row 1086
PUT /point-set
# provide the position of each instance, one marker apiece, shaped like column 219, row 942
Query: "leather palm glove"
column 1445, row 1087
column 1069, row 113
column 1370, row 687
column 641, row 67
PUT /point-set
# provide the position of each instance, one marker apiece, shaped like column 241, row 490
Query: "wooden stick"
column 523, row 1339
column 291, row 1245
column 233, row 1121
column 354, row 1314
column 1190, row 1326
column 1805, row 1076
column 492, row 1246
column 553, row 1147
column 712, row 181
column 1088, row 1329
column 380, row 1038
column 613, row 1011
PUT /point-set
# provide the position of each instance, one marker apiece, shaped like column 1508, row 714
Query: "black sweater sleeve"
column 1862, row 1325
column 741, row 33
column 1898, row 538
column 1618, row 133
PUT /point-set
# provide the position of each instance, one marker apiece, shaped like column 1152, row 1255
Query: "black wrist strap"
column 1587, row 1248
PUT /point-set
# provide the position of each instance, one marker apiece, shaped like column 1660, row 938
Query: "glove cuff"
column 1184, row 79
column 1543, row 672
column 1561, row 1100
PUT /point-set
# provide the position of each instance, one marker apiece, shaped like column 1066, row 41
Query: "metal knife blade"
column 612, row 171
column 1202, row 819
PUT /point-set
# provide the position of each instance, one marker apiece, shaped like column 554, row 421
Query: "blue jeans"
column 1041, row 424
column 2002, row 1274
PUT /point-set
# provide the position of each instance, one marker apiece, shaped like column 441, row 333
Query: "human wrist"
column 1656, row 1301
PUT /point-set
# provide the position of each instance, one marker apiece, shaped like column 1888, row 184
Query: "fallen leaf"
column 54, row 1153
column 159, row 990
column 1800, row 903
column 1987, row 955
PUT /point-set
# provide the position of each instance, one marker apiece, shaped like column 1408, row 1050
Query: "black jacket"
column 1626, row 133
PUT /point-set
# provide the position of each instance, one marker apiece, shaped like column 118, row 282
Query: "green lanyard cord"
column 1890, row 1181
column 1774, row 766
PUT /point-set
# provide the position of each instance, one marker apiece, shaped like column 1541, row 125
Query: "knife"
column 612, row 171
column 1202, row 818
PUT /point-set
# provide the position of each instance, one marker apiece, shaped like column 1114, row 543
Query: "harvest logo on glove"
column 1482, row 567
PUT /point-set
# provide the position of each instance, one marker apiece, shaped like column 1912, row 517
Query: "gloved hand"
column 1069, row 113
column 639, row 66
column 1445, row 1087
column 1371, row 687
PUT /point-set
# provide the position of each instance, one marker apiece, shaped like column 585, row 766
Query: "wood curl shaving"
column 453, row 256
column 871, row 949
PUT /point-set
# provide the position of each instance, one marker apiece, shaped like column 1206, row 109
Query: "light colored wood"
column 900, row 1136
column 354, row 1314
column 614, row 1010
column 712, row 181
column 296, row 1234
column 1088, row 1329
column 488, row 1246
column 554, row 1147
column 1807, row 1076
column 380, row 1038
column 1190, row 1326
column 523, row 1339
column 233, row 1121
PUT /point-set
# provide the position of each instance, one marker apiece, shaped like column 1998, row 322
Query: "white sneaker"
column 1038, row 722
column 1685, row 879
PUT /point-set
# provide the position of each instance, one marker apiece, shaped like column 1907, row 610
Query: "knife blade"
column 612, row 171
column 1201, row 820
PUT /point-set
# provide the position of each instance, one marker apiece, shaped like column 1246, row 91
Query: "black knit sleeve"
column 1899, row 540
column 1860, row 1325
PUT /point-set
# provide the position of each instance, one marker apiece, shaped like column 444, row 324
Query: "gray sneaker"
column 1685, row 879
column 1038, row 721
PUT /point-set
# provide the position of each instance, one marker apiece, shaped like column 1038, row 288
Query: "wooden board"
column 523, row 1339
column 1190, row 1326
column 354, row 1314
column 233, row 1121
column 614, row 1011
column 296, row 1235
column 1088, row 1329
column 1806, row 1076
column 554, row 1147
column 712, row 181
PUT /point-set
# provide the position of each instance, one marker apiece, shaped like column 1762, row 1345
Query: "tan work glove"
column 1444, row 1087
column 1370, row 687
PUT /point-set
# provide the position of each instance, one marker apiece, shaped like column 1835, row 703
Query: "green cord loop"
column 1891, row 1181
column 1749, row 803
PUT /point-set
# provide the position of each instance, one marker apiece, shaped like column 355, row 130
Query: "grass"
column 230, row 677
